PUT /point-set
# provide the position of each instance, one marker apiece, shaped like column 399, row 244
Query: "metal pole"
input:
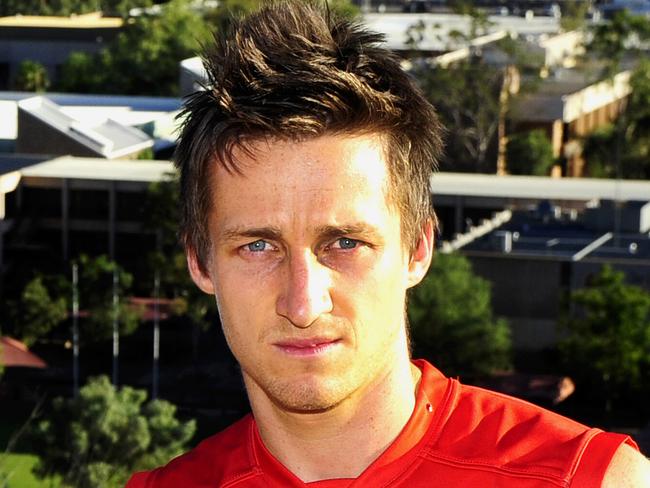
column 65, row 218
column 116, row 329
column 75, row 330
column 112, row 197
column 156, row 335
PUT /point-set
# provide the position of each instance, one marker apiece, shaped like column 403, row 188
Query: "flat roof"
column 531, row 234
column 68, row 167
column 538, row 187
column 105, row 137
column 139, row 103
column 87, row 21
column 438, row 26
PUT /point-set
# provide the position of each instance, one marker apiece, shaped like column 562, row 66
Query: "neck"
column 325, row 445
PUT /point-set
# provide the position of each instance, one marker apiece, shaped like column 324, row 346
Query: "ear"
column 199, row 276
column 421, row 256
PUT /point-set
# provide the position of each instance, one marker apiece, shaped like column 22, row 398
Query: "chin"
column 308, row 396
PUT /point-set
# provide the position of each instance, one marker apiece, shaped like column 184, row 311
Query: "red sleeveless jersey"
column 457, row 436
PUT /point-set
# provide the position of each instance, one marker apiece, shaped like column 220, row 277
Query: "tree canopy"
column 105, row 434
column 40, row 309
column 96, row 298
column 69, row 7
column 144, row 57
column 452, row 323
column 168, row 260
column 529, row 153
column 608, row 336
column 622, row 149
column 32, row 76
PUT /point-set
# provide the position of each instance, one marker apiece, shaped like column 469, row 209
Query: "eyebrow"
column 358, row 229
column 235, row 233
column 323, row 232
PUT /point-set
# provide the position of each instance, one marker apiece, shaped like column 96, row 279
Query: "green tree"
column 472, row 96
column 622, row 149
column 466, row 95
column 608, row 337
column 40, row 7
column 95, row 298
column 162, row 218
column 69, row 7
column 32, row 76
column 529, row 153
column 80, row 73
column 574, row 15
column 451, row 320
column 38, row 311
column 636, row 163
column 143, row 59
column 105, row 434
column 613, row 40
column 122, row 8
column 221, row 16
column 598, row 152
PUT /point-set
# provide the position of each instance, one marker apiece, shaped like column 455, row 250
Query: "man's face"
column 308, row 268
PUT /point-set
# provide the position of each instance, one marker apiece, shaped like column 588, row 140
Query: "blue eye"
column 257, row 246
column 346, row 243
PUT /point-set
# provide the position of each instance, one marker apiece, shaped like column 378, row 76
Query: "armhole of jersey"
column 596, row 458
column 139, row 480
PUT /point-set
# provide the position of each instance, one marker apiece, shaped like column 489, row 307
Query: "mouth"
column 307, row 347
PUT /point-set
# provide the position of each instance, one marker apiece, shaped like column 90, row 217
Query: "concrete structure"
column 434, row 40
column 67, row 198
column 50, row 40
column 459, row 196
column 535, row 239
column 535, row 260
column 437, row 26
column 568, row 107
column 155, row 116
column 43, row 128
column 192, row 75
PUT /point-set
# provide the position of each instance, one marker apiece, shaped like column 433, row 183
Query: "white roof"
column 538, row 187
column 105, row 136
column 68, row 167
column 438, row 26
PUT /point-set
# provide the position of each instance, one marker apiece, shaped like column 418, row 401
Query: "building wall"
column 527, row 292
column 50, row 47
column 597, row 96
column 530, row 291
column 36, row 137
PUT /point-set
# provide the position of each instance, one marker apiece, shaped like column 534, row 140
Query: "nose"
column 306, row 292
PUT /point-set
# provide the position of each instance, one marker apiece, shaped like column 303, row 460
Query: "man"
column 306, row 213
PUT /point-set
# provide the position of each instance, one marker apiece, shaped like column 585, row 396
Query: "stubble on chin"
column 300, row 395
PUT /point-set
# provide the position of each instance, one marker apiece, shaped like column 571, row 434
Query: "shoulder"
column 485, row 428
column 628, row 469
column 217, row 460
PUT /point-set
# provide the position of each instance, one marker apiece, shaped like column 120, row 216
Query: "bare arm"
column 628, row 469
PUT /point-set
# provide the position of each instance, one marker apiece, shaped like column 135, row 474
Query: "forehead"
column 314, row 178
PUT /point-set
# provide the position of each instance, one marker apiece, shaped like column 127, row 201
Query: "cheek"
column 245, row 304
column 375, row 293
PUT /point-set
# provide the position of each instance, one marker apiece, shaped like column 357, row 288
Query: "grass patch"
column 16, row 472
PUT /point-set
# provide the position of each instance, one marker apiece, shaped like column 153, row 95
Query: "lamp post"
column 156, row 334
column 116, row 328
column 75, row 329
